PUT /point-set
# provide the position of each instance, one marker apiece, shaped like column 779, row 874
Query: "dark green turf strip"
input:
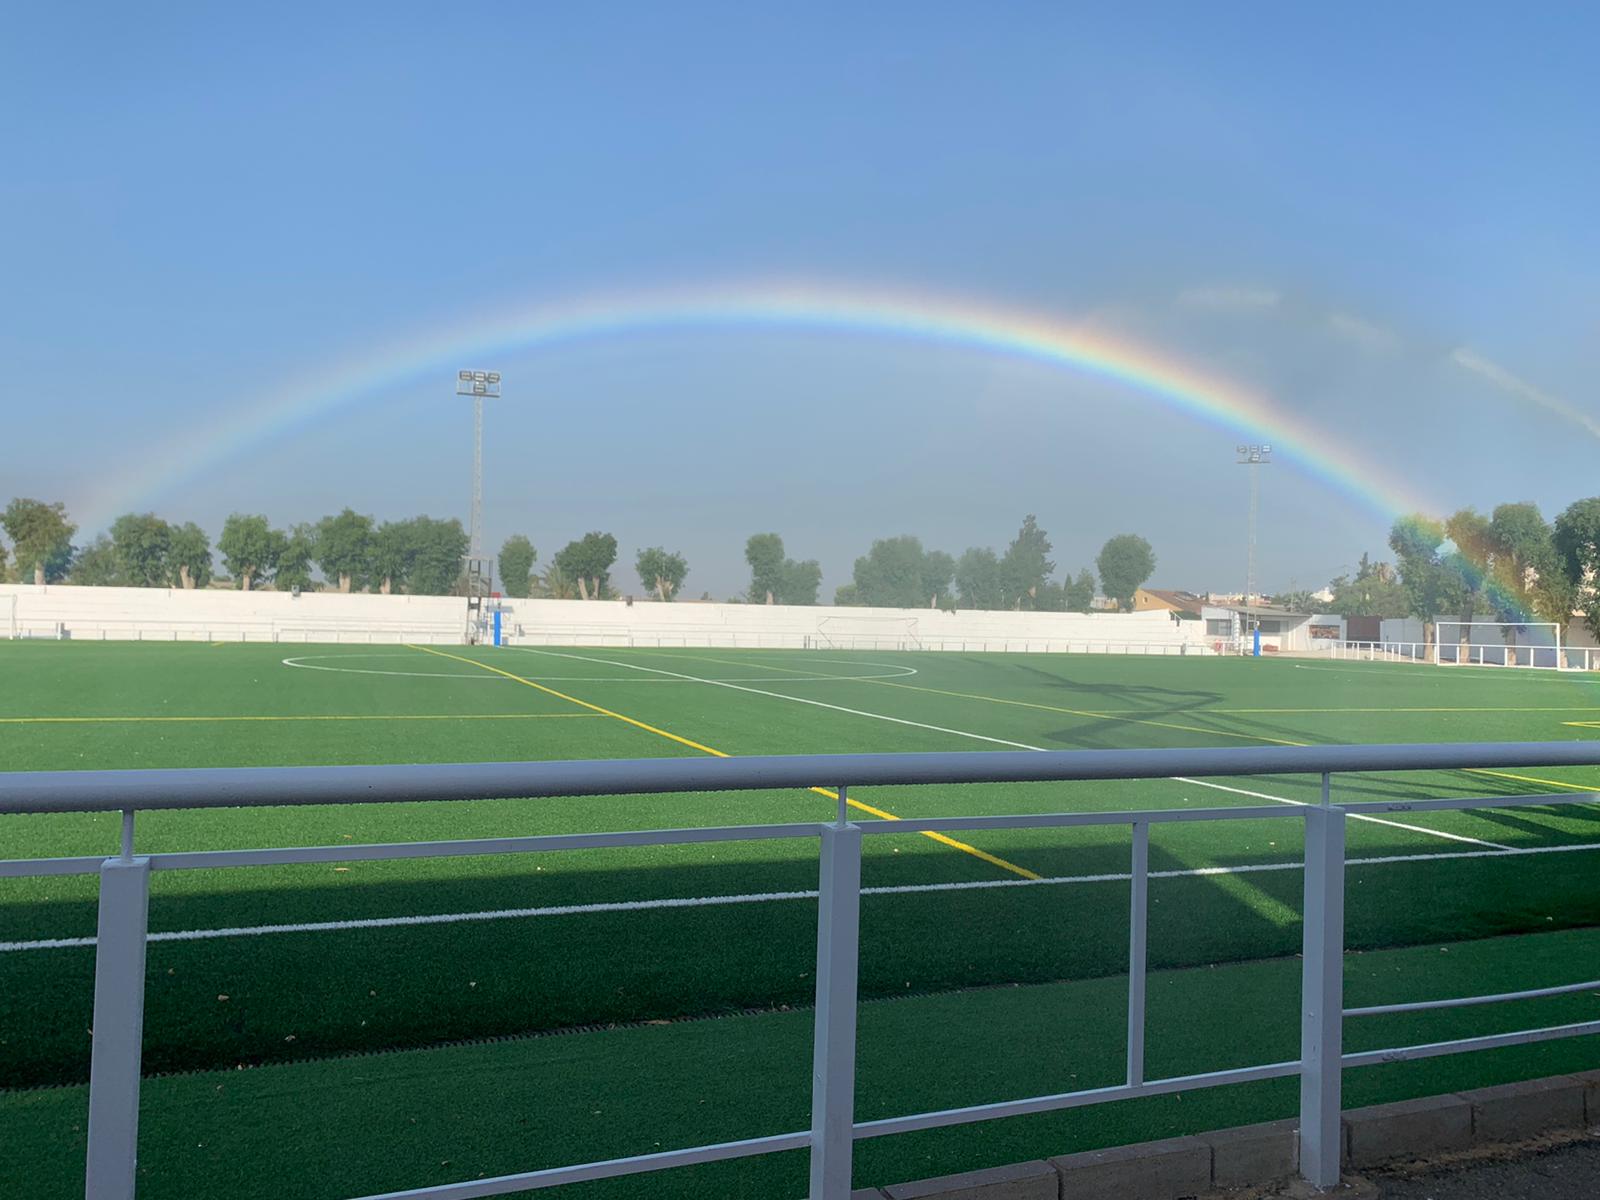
column 349, row 1126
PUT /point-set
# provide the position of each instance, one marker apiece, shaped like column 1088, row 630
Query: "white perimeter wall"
column 157, row 614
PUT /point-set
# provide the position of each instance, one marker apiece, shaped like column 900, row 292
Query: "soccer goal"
column 1491, row 644
column 859, row 631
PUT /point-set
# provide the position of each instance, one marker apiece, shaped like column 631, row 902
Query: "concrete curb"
column 1257, row 1156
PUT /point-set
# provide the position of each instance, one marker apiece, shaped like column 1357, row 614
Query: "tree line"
column 899, row 572
column 1510, row 567
column 425, row 555
column 353, row 551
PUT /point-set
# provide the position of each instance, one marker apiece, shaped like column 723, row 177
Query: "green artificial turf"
column 296, row 995
column 357, row 1125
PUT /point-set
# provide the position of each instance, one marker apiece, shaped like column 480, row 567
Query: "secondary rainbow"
column 980, row 328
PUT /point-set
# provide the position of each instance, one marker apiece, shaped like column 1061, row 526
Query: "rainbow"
column 962, row 324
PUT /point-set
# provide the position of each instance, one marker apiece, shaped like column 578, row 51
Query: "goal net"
column 862, row 632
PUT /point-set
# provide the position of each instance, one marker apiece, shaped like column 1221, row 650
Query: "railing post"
column 833, row 1057
column 118, row 1033
column 1322, row 994
column 1138, row 922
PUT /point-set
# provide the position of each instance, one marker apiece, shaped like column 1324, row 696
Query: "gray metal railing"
column 123, row 927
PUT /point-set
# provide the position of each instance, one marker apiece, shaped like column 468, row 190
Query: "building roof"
column 1180, row 600
column 1261, row 610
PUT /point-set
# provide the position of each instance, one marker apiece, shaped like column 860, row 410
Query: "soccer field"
column 286, row 964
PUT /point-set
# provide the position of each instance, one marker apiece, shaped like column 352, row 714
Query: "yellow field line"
column 882, row 814
column 1576, row 787
column 298, row 717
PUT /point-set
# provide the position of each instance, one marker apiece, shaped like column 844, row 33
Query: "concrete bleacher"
column 160, row 614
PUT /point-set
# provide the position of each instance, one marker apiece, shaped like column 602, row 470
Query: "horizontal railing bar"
column 528, row 1181
column 1121, row 1091
column 1453, row 802
column 225, row 787
column 361, row 852
column 1565, row 989
column 1053, row 820
column 199, row 859
column 25, row 868
column 1369, row 1058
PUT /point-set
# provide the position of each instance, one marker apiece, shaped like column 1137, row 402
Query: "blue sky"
column 201, row 204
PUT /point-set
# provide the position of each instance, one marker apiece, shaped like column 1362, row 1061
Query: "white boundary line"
column 979, row 737
column 565, row 910
column 1454, row 837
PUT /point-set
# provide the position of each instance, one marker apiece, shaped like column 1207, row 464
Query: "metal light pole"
column 477, row 384
column 1252, row 456
column 480, row 573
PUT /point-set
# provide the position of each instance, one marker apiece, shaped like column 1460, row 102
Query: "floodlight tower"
column 1252, row 456
column 480, row 572
column 477, row 384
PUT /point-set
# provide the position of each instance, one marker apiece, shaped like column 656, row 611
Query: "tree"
column 1080, row 592
column 1429, row 586
column 799, row 581
column 96, row 565
column 1297, row 602
column 1374, row 592
column 1577, row 545
column 440, row 548
column 142, row 542
column 661, row 572
column 588, row 561
column 1025, row 566
column 1527, row 568
column 344, row 548
column 250, row 548
column 764, row 553
column 775, row 579
column 1470, row 563
column 977, row 578
column 517, row 557
column 1049, row 596
column 296, row 549
column 189, row 551
column 898, row 573
column 558, row 585
column 392, row 555
column 1125, row 562
column 41, row 538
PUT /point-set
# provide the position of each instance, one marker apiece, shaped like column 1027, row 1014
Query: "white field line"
column 979, row 737
column 565, row 910
column 1454, row 837
column 854, row 712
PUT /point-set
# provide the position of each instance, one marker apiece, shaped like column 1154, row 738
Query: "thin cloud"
column 1503, row 379
column 1229, row 299
column 1362, row 332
